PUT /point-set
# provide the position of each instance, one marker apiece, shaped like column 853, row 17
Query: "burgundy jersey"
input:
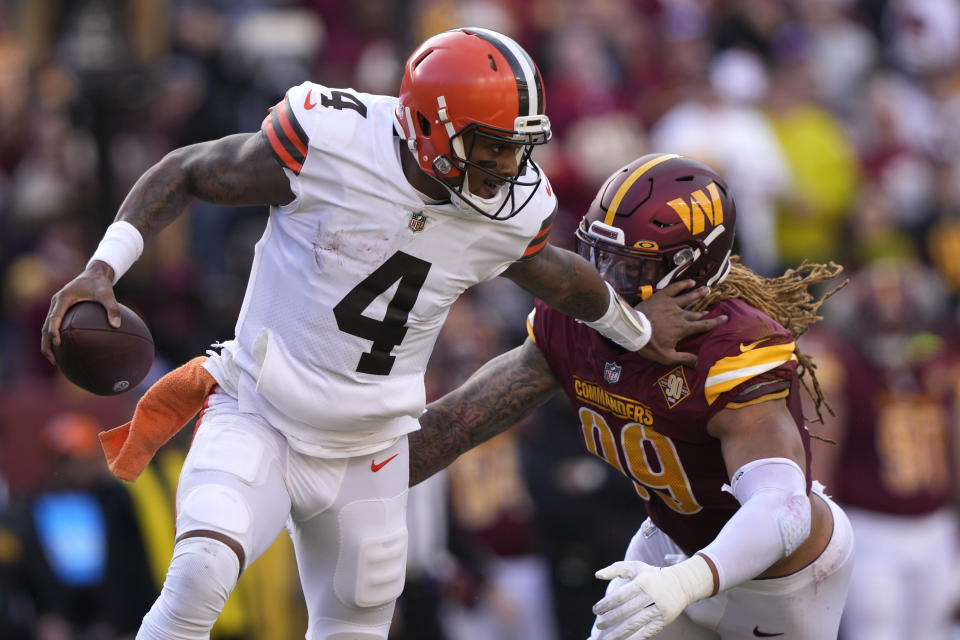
column 896, row 453
column 649, row 421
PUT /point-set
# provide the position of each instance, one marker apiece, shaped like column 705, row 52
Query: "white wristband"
column 623, row 324
column 694, row 578
column 120, row 247
column 626, row 607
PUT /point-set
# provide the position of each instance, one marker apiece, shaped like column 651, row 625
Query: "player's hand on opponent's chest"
column 671, row 321
column 642, row 599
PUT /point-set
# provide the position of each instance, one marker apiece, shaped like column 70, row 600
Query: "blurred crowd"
column 835, row 122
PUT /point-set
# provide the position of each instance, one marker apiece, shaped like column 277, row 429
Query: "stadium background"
column 836, row 122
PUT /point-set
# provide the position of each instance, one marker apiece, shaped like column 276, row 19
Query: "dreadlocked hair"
column 786, row 300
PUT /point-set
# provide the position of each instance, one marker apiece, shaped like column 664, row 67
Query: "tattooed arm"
column 235, row 170
column 570, row 284
column 501, row 393
column 563, row 280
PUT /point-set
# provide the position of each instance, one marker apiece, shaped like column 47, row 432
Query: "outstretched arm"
column 568, row 283
column 501, row 393
column 235, row 170
column 563, row 280
column 769, row 535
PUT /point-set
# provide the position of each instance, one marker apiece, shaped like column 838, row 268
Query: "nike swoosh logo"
column 306, row 101
column 748, row 347
column 761, row 634
column 376, row 466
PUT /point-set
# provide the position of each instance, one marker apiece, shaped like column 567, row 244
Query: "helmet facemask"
column 472, row 140
column 633, row 272
column 637, row 272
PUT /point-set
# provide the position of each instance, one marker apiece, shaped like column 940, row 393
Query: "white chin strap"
column 722, row 273
column 487, row 205
column 717, row 278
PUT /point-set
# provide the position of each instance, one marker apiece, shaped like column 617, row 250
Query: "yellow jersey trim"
column 729, row 372
column 769, row 396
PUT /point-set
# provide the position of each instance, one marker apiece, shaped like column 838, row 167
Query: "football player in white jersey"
column 383, row 211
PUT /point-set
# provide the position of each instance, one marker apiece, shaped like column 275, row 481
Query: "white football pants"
column 346, row 516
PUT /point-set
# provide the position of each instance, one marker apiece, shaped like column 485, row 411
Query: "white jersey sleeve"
column 293, row 123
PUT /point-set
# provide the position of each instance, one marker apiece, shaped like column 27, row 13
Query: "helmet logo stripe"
column 683, row 210
column 716, row 204
column 625, row 187
column 700, row 210
column 529, row 88
column 532, row 81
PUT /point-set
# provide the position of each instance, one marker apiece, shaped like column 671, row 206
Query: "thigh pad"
column 239, row 452
column 373, row 553
column 215, row 507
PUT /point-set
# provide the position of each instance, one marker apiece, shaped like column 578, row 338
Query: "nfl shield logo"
column 417, row 222
column 611, row 372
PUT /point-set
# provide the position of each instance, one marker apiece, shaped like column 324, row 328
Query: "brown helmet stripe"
column 529, row 85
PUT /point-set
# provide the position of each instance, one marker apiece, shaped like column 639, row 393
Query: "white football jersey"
column 352, row 280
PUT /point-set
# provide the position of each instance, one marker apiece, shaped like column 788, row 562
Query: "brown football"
column 96, row 357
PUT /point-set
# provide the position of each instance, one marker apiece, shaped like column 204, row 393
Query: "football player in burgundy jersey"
column 383, row 210
column 891, row 371
column 740, row 541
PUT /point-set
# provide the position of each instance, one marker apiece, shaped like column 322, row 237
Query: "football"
column 98, row 358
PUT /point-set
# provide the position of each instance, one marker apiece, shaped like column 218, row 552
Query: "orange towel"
column 162, row 411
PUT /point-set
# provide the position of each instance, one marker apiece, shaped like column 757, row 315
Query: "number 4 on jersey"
column 388, row 332
column 343, row 100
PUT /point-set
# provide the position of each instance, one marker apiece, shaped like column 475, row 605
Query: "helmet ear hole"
column 424, row 124
column 418, row 61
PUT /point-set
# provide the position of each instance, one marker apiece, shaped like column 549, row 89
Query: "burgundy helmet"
column 659, row 219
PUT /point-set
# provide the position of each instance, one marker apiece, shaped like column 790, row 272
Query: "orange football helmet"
column 478, row 81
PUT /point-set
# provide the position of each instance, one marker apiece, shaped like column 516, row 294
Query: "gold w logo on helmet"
column 700, row 209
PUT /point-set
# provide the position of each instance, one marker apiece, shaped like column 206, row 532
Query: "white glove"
column 645, row 599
